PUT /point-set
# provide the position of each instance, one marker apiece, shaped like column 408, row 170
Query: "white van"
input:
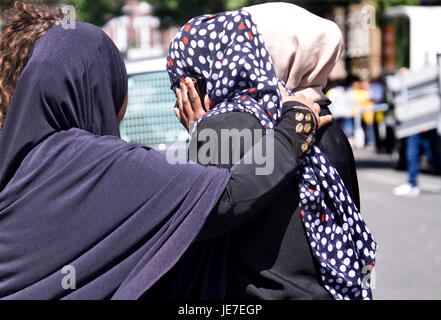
column 416, row 47
column 413, row 44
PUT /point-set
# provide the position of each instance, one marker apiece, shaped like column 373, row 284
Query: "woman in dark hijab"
column 311, row 242
column 77, row 201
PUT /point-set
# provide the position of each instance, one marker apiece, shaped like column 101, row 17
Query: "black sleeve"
column 250, row 191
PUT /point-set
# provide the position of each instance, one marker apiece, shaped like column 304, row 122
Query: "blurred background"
column 386, row 96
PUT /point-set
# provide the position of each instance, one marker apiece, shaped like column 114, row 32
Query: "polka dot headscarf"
column 227, row 51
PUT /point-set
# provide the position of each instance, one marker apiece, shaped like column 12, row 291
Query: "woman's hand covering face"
column 189, row 108
column 315, row 107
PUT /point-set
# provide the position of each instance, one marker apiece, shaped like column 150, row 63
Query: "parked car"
column 150, row 119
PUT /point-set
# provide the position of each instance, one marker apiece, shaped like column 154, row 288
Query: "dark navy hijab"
column 73, row 79
column 73, row 194
column 227, row 51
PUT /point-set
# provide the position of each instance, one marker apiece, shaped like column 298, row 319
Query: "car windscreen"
column 150, row 119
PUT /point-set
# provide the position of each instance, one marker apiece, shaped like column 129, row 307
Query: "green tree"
column 177, row 12
column 392, row 3
column 97, row 12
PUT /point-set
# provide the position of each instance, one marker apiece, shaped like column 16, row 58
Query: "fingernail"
column 183, row 80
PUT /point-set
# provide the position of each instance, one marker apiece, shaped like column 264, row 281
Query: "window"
column 150, row 119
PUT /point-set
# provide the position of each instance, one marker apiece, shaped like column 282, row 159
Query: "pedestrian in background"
column 414, row 144
column 340, row 95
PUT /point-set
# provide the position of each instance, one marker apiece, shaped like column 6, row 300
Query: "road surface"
column 407, row 230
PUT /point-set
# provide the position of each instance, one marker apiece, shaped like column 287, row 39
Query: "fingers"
column 179, row 109
column 316, row 108
column 323, row 121
column 283, row 92
column 302, row 99
column 207, row 103
column 187, row 108
column 195, row 101
column 176, row 110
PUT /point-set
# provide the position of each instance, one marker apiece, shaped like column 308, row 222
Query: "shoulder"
column 243, row 130
column 231, row 120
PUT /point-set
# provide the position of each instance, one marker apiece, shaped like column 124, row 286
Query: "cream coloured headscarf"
column 304, row 47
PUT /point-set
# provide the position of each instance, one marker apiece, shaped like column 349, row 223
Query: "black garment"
column 269, row 256
column 239, row 204
column 202, row 271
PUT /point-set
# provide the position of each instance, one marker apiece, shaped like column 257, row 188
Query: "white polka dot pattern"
column 343, row 245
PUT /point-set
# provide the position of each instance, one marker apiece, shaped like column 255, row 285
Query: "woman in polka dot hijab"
column 227, row 51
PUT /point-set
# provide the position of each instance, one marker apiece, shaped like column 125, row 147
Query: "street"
column 407, row 230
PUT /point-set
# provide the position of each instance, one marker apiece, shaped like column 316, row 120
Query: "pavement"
column 407, row 230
